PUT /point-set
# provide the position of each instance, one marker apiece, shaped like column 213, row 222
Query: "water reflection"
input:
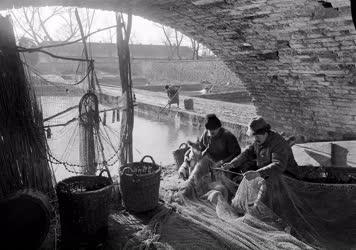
column 150, row 137
column 159, row 138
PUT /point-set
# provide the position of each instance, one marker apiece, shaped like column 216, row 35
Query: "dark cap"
column 212, row 122
column 258, row 126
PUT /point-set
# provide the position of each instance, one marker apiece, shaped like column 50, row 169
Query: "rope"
column 227, row 171
column 60, row 113
column 38, row 73
column 21, row 49
column 72, row 42
column 62, row 124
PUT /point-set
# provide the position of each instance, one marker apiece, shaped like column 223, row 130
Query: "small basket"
column 139, row 185
column 188, row 104
column 179, row 154
column 84, row 207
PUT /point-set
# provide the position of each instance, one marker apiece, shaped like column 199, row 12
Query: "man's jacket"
column 274, row 156
column 223, row 146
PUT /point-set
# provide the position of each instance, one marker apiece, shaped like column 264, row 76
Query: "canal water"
column 150, row 137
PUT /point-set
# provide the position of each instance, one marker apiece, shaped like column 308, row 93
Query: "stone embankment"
column 234, row 116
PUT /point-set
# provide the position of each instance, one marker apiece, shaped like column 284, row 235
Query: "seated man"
column 217, row 142
column 270, row 154
column 216, row 146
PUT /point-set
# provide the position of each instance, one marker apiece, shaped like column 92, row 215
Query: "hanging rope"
column 22, row 49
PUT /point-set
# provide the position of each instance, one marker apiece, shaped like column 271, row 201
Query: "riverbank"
column 234, row 116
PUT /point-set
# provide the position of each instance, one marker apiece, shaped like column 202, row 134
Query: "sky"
column 143, row 30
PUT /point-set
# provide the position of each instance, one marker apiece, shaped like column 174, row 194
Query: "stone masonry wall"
column 167, row 71
column 296, row 57
column 214, row 71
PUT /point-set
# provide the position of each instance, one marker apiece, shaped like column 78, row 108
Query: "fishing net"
column 276, row 213
column 23, row 149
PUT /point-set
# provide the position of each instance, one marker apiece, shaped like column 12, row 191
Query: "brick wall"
column 296, row 57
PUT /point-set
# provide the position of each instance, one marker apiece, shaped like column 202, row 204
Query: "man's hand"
column 250, row 175
column 219, row 164
column 227, row 166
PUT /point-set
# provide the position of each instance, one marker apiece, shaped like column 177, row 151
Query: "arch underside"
column 296, row 57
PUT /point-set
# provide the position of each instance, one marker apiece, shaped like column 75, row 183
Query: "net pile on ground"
column 304, row 215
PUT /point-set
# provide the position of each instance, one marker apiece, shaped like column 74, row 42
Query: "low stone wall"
column 236, row 97
column 190, row 118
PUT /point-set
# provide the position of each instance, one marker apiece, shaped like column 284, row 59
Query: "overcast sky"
column 143, row 30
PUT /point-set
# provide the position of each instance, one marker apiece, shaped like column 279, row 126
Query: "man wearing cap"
column 217, row 142
column 217, row 146
column 270, row 154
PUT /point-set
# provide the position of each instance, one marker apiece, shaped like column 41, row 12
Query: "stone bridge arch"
column 297, row 58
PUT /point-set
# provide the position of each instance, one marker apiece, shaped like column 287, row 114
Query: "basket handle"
column 183, row 144
column 148, row 157
column 107, row 172
column 127, row 169
column 64, row 187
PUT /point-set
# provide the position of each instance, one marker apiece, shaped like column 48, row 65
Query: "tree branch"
column 43, row 26
column 34, row 35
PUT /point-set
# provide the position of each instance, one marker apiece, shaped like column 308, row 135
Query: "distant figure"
column 133, row 97
column 173, row 94
column 49, row 133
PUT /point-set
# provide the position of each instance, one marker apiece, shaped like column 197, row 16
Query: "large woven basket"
column 139, row 185
column 178, row 154
column 25, row 220
column 84, row 208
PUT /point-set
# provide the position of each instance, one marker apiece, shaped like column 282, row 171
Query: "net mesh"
column 276, row 213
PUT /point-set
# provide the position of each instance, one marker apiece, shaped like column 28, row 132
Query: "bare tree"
column 173, row 40
column 167, row 41
column 179, row 39
column 70, row 27
column 33, row 23
column 195, row 48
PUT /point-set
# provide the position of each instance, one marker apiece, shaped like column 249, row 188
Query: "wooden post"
column 84, row 40
column 127, row 121
column 353, row 11
column 86, row 129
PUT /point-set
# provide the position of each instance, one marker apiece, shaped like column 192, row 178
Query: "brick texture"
column 296, row 57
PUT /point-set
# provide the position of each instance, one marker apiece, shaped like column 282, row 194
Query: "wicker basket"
column 188, row 104
column 84, row 207
column 139, row 185
column 25, row 219
column 179, row 154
